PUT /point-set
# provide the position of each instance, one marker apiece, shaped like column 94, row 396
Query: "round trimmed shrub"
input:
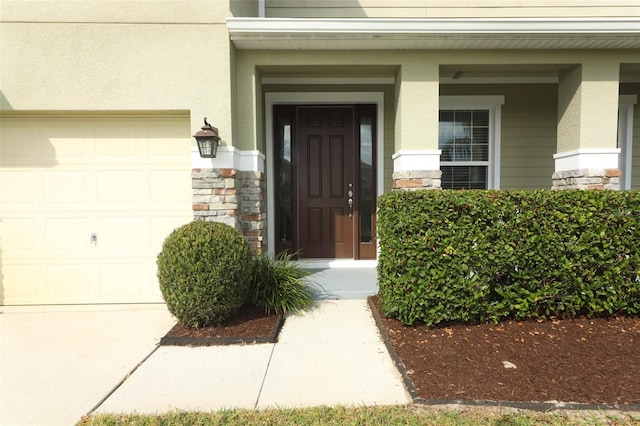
column 204, row 271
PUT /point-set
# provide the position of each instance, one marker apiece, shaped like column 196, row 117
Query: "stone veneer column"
column 253, row 210
column 234, row 197
column 587, row 179
column 416, row 161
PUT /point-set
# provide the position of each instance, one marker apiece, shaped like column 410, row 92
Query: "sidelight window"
column 367, row 188
column 284, row 165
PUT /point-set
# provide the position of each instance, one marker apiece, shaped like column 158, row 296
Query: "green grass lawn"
column 394, row 415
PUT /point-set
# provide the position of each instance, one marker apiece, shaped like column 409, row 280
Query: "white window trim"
column 317, row 98
column 625, row 138
column 494, row 105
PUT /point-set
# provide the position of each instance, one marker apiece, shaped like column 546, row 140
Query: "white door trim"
column 317, row 98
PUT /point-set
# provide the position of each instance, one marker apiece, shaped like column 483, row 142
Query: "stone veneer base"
column 587, row 179
column 417, row 179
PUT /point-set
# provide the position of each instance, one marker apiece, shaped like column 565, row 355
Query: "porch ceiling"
column 399, row 34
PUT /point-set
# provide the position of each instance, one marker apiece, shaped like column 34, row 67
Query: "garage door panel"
column 29, row 147
column 63, row 142
column 167, row 187
column 23, row 149
column 161, row 227
column 18, row 236
column 156, row 293
column 120, row 280
column 21, row 283
column 126, row 179
column 68, row 283
column 69, row 150
column 19, row 189
column 122, row 234
column 116, row 140
column 66, row 187
column 168, row 139
column 67, row 235
column 167, row 149
column 119, row 187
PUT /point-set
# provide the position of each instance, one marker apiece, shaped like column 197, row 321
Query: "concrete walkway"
column 331, row 356
column 56, row 366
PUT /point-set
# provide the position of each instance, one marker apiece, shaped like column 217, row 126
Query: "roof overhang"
column 397, row 34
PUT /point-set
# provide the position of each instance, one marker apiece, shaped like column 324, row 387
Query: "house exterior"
column 321, row 106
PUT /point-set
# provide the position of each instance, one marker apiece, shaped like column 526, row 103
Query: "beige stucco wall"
column 416, row 87
column 588, row 105
column 569, row 101
column 417, row 83
column 450, row 8
column 100, row 55
column 118, row 56
column 120, row 11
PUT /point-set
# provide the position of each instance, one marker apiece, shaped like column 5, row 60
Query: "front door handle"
column 350, row 200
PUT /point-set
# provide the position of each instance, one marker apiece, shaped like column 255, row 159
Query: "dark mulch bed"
column 250, row 325
column 582, row 360
column 588, row 361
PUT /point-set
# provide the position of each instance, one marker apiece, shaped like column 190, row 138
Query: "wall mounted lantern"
column 208, row 140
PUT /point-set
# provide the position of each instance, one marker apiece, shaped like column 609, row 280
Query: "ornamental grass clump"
column 280, row 286
column 205, row 272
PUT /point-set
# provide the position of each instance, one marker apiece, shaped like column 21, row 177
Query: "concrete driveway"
column 57, row 363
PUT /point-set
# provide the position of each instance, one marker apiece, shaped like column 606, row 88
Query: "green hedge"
column 475, row 256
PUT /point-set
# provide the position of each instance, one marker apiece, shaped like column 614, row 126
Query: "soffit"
column 408, row 34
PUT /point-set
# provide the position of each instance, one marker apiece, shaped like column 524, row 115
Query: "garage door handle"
column 94, row 238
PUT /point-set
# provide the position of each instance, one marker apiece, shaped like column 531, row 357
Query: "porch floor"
column 343, row 279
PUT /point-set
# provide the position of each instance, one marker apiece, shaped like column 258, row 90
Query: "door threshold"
column 336, row 263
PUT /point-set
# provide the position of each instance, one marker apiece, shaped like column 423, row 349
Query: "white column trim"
column 605, row 158
column 625, row 138
column 416, row 159
column 229, row 157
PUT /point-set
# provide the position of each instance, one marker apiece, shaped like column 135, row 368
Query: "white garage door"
column 85, row 203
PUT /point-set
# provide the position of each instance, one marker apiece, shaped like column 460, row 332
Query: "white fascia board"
column 443, row 26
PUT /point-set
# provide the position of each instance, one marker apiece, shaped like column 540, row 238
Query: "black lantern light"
column 207, row 139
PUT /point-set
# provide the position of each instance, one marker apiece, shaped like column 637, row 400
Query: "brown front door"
column 325, row 192
column 325, row 171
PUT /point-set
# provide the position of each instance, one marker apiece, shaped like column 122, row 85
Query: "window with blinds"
column 464, row 142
